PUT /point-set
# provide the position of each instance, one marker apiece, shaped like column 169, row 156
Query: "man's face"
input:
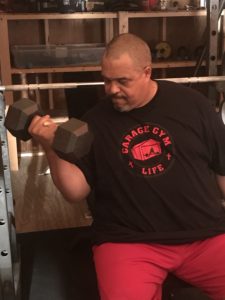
column 127, row 85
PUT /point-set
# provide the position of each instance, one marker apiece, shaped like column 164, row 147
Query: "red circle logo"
column 147, row 149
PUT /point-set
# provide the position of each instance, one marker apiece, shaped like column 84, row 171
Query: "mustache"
column 116, row 96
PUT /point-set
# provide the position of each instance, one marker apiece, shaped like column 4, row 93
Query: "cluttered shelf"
column 103, row 15
column 123, row 19
column 57, row 16
column 123, row 25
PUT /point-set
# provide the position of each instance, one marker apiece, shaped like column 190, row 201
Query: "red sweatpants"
column 136, row 271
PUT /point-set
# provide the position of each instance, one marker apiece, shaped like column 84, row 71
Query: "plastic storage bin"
column 32, row 56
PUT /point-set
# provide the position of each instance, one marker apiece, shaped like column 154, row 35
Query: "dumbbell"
column 72, row 139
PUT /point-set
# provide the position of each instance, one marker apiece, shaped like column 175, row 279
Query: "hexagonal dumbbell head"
column 19, row 117
column 72, row 140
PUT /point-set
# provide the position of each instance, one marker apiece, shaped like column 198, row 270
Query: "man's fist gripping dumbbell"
column 70, row 140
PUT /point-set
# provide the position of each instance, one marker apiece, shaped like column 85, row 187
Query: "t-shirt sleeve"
column 87, row 166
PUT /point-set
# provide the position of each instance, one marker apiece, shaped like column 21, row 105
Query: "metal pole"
column 213, row 10
column 69, row 85
column 9, row 262
column 212, row 44
column 207, row 35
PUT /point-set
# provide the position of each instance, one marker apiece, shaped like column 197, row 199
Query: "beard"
column 124, row 108
column 120, row 104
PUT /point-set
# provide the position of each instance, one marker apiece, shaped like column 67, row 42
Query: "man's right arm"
column 67, row 177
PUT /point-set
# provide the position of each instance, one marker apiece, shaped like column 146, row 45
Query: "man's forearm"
column 67, row 177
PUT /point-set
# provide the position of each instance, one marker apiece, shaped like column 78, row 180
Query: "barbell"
column 69, row 85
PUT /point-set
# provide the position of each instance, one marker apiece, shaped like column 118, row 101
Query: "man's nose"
column 112, row 88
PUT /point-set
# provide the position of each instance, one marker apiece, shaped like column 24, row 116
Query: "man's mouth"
column 117, row 98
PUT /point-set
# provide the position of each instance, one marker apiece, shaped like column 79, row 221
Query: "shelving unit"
column 123, row 19
column 112, row 23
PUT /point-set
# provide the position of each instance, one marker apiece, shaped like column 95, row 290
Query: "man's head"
column 126, row 70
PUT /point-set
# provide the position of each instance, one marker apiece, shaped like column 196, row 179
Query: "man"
column 156, row 150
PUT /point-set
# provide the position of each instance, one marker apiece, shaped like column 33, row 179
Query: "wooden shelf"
column 55, row 70
column 166, row 14
column 155, row 65
column 102, row 15
column 58, row 16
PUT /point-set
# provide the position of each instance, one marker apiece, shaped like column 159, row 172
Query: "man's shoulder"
column 173, row 85
column 182, row 92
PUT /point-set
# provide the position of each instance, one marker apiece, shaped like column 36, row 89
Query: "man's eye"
column 106, row 81
column 123, row 81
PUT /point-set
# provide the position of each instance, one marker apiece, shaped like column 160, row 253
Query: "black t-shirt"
column 152, row 169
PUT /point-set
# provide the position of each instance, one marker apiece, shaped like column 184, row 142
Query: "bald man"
column 156, row 150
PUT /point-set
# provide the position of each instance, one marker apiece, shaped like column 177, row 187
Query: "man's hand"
column 42, row 129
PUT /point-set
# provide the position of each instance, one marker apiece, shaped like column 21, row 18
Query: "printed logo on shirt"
column 147, row 149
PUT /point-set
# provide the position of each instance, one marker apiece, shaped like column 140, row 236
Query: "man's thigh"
column 124, row 271
column 205, row 267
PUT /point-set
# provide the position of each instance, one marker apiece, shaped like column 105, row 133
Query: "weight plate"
column 183, row 53
column 163, row 50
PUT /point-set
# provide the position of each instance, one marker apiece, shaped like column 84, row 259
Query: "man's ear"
column 148, row 71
